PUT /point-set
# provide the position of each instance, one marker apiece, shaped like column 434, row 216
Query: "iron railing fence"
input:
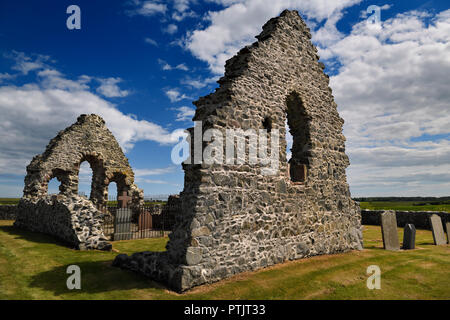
column 148, row 221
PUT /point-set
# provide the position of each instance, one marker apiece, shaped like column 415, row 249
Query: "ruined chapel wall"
column 235, row 219
column 238, row 220
column 86, row 140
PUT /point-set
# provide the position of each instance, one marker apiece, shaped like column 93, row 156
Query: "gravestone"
column 389, row 231
column 122, row 224
column 437, row 230
column 124, row 199
column 447, row 226
column 145, row 221
column 409, row 237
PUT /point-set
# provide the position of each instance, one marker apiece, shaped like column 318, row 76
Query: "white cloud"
column 165, row 66
column 182, row 66
column 139, row 173
column 198, row 83
column 170, row 29
column 177, row 16
column 181, row 5
column 182, row 10
column 25, row 64
column 148, row 8
column 109, row 88
column 236, row 25
column 174, row 95
column 34, row 113
column 5, row 76
column 151, row 41
column 365, row 14
column 392, row 90
column 184, row 113
column 53, row 79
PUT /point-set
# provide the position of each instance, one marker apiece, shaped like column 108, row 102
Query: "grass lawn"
column 4, row 201
column 404, row 206
column 372, row 205
column 33, row 266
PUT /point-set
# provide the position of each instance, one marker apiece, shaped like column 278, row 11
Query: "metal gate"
column 145, row 222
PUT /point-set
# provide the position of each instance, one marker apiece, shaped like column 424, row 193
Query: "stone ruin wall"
column 233, row 218
column 86, row 140
column 72, row 219
column 69, row 216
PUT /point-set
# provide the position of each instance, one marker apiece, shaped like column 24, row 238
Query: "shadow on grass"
column 96, row 277
column 31, row 236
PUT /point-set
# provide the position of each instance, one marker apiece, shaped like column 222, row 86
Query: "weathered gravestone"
column 437, row 230
column 447, row 226
column 145, row 221
column 122, row 224
column 123, row 200
column 389, row 231
column 409, row 237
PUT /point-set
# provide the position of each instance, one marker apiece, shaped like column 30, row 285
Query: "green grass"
column 4, row 201
column 404, row 206
column 33, row 266
column 372, row 205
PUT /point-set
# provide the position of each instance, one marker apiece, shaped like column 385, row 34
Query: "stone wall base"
column 8, row 212
column 157, row 265
column 73, row 219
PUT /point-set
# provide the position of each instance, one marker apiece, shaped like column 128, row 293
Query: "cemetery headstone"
column 447, row 226
column 409, row 237
column 145, row 221
column 122, row 224
column 124, row 199
column 437, row 230
column 389, row 231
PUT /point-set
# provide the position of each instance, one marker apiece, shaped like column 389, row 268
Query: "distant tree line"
column 419, row 200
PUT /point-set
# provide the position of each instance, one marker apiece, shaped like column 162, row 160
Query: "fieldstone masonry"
column 86, row 140
column 73, row 219
column 8, row 212
column 69, row 216
column 235, row 219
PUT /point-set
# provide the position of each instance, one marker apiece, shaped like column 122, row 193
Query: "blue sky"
column 140, row 64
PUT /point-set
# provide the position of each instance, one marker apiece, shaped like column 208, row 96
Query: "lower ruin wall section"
column 74, row 220
column 157, row 266
column 239, row 240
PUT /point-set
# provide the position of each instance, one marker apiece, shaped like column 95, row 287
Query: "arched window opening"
column 85, row 180
column 289, row 141
column 112, row 191
column 53, row 186
column 298, row 142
